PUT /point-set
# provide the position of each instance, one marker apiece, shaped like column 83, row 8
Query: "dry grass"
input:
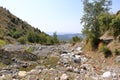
column 51, row 61
column 2, row 43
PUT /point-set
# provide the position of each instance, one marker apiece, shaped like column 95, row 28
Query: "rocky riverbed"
column 58, row 62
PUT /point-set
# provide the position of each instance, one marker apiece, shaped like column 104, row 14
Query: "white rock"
column 114, row 74
column 69, row 68
column 79, row 49
column 83, row 59
column 2, row 77
column 57, row 78
column 22, row 73
column 107, row 74
column 117, row 59
column 76, row 70
column 64, row 77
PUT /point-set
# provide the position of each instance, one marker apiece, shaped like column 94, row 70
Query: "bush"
column 51, row 61
column 117, row 52
column 30, row 49
column 22, row 40
column 107, row 53
column 2, row 43
column 76, row 39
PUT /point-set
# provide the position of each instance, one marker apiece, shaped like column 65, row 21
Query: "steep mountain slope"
column 12, row 27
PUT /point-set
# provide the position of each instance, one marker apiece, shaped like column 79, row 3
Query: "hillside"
column 13, row 29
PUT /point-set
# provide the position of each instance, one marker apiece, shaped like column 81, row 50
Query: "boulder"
column 107, row 74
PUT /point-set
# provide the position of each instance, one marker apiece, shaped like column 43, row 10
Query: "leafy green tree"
column 55, row 39
column 49, row 40
column 43, row 39
column 93, row 8
column 104, row 20
column 115, row 26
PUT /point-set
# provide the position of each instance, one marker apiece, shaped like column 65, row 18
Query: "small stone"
column 76, row 70
column 117, row 59
column 79, row 49
column 69, row 68
column 22, row 73
column 57, row 78
column 64, row 77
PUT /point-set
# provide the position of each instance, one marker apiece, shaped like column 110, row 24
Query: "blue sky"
column 51, row 15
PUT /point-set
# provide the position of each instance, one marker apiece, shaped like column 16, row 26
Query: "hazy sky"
column 51, row 15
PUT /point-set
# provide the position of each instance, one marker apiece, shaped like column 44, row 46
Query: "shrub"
column 100, row 45
column 76, row 39
column 51, row 61
column 117, row 52
column 22, row 40
column 30, row 49
column 107, row 53
column 2, row 43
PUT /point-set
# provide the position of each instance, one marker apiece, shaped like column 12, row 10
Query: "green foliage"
column 51, row 61
column 76, row 39
column 49, row 40
column 15, row 28
column 115, row 26
column 31, row 37
column 43, row 39
column 104, row 20
column 55, row 39
column 92, row 9
column 30, row 49
column 2, row 43
column 3, row 65
column 22, row 40
column 117, row 52
column 28, row 68
column 107, row 53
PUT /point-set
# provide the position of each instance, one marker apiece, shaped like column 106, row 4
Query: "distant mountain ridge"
column 69, row 36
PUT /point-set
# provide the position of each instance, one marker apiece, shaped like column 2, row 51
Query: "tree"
column 55, row 39
column 93, row 8
column 115, row 26
column 49, row 40
column 104, row 20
